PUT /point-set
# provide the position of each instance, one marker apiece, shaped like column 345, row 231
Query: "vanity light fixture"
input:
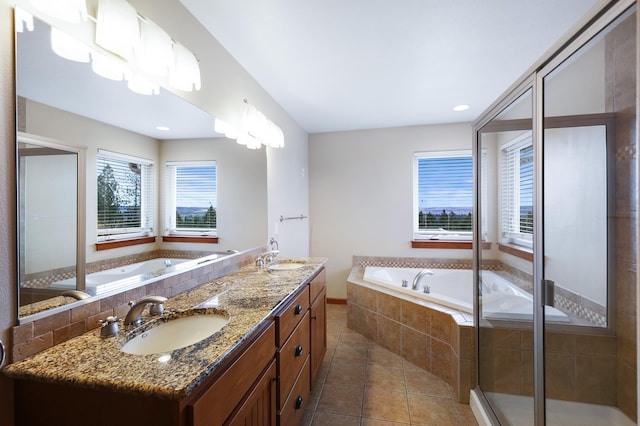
column 462, row 107
column 258, row 130
column 108, row 67
column 130, row 37
column 68, row 47
column 223, row 128
column 65, row 10
column 117, row 27
column 142, row 85
column 153, row 53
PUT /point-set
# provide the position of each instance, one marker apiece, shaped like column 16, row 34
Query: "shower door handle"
column 548, row 292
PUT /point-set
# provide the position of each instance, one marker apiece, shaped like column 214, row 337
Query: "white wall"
column 361, row 194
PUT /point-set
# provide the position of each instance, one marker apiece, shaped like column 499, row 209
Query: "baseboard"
column 332, row 301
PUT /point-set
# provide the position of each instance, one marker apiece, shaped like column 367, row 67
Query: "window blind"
column 516, row 189
column 125, row 195
column 445, row 192
column 191, row 203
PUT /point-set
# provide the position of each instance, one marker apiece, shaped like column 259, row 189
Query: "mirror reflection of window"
column 516, row 191
column 125, row 192
column 191, row 201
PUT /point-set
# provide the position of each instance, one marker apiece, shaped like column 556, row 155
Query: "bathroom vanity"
column 258, row 369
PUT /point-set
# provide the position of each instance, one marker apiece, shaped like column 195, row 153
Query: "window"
column 443, row 195
column 125, row 196
column 191, row 202
column 516, row 191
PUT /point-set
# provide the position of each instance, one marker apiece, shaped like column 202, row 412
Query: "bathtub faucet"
column 418, row 277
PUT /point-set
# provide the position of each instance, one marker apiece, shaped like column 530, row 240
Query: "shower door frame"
column 597, row 19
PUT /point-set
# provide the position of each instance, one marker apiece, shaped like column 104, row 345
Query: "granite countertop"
column 248, row 295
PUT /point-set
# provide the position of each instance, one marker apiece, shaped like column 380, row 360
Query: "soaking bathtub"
column 454, row 288
column 108, row 280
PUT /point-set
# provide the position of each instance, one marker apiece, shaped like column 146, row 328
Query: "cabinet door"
column 318, row 333
column 259, row 409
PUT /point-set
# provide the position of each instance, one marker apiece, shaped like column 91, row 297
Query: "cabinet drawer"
column 293, row 409
column 222, row 397
column 288, row 320
column 317, row 284
column 291, row 358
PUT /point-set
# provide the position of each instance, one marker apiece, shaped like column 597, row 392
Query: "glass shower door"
column 583, row 179
column 505, row 269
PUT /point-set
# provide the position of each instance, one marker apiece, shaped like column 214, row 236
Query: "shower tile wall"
column 621, row 82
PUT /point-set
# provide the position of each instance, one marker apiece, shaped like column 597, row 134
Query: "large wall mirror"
column 67, row 117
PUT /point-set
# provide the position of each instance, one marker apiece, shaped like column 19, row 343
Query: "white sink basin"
column 175, row 334
column 286, row 266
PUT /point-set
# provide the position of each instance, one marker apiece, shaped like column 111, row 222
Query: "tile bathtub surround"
column 35, row 336
column 436, row 339
column 582, row 309
column 363, row 384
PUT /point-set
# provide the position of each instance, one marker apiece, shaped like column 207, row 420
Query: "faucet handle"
column 156, row 309
column 109, row 326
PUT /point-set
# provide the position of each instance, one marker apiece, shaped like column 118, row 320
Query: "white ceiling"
column 355, row 64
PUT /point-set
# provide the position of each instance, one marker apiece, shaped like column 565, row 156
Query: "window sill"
column 188, row 239
column 516, row 251
column 106, row 245
column 449, row 245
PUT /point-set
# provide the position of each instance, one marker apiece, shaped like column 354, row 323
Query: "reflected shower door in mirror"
column 505, row 277
column 50, row 238
column 64, row 100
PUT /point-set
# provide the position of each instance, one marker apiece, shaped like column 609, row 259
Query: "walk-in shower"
column 557, row 200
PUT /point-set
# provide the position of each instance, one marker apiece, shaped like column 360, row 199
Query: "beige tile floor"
column 363, row 384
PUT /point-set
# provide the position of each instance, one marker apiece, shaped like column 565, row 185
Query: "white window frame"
column 510, row 191
column 147, row 205
column 170, row 200
column 442, row 234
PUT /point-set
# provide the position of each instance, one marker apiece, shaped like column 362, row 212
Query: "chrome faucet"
column 418, row 277
column 76, row 294
column 134, row 315
column 266, row 258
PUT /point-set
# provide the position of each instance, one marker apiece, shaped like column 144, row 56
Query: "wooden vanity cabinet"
column 318, row 315
column 242, row 387
column 301, row 340
column 265, row 381
column 215, row 403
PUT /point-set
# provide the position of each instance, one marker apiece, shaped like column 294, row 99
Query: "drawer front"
column 217, row 403
column 291, row 317
column 317, row 284
column 291, row 358
column 293, row 409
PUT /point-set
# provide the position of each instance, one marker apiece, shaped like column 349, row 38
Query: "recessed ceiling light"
column 461, row 107
column 163, row 128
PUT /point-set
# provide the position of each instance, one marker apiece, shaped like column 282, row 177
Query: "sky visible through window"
column 196, row 186
column 445, row 183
